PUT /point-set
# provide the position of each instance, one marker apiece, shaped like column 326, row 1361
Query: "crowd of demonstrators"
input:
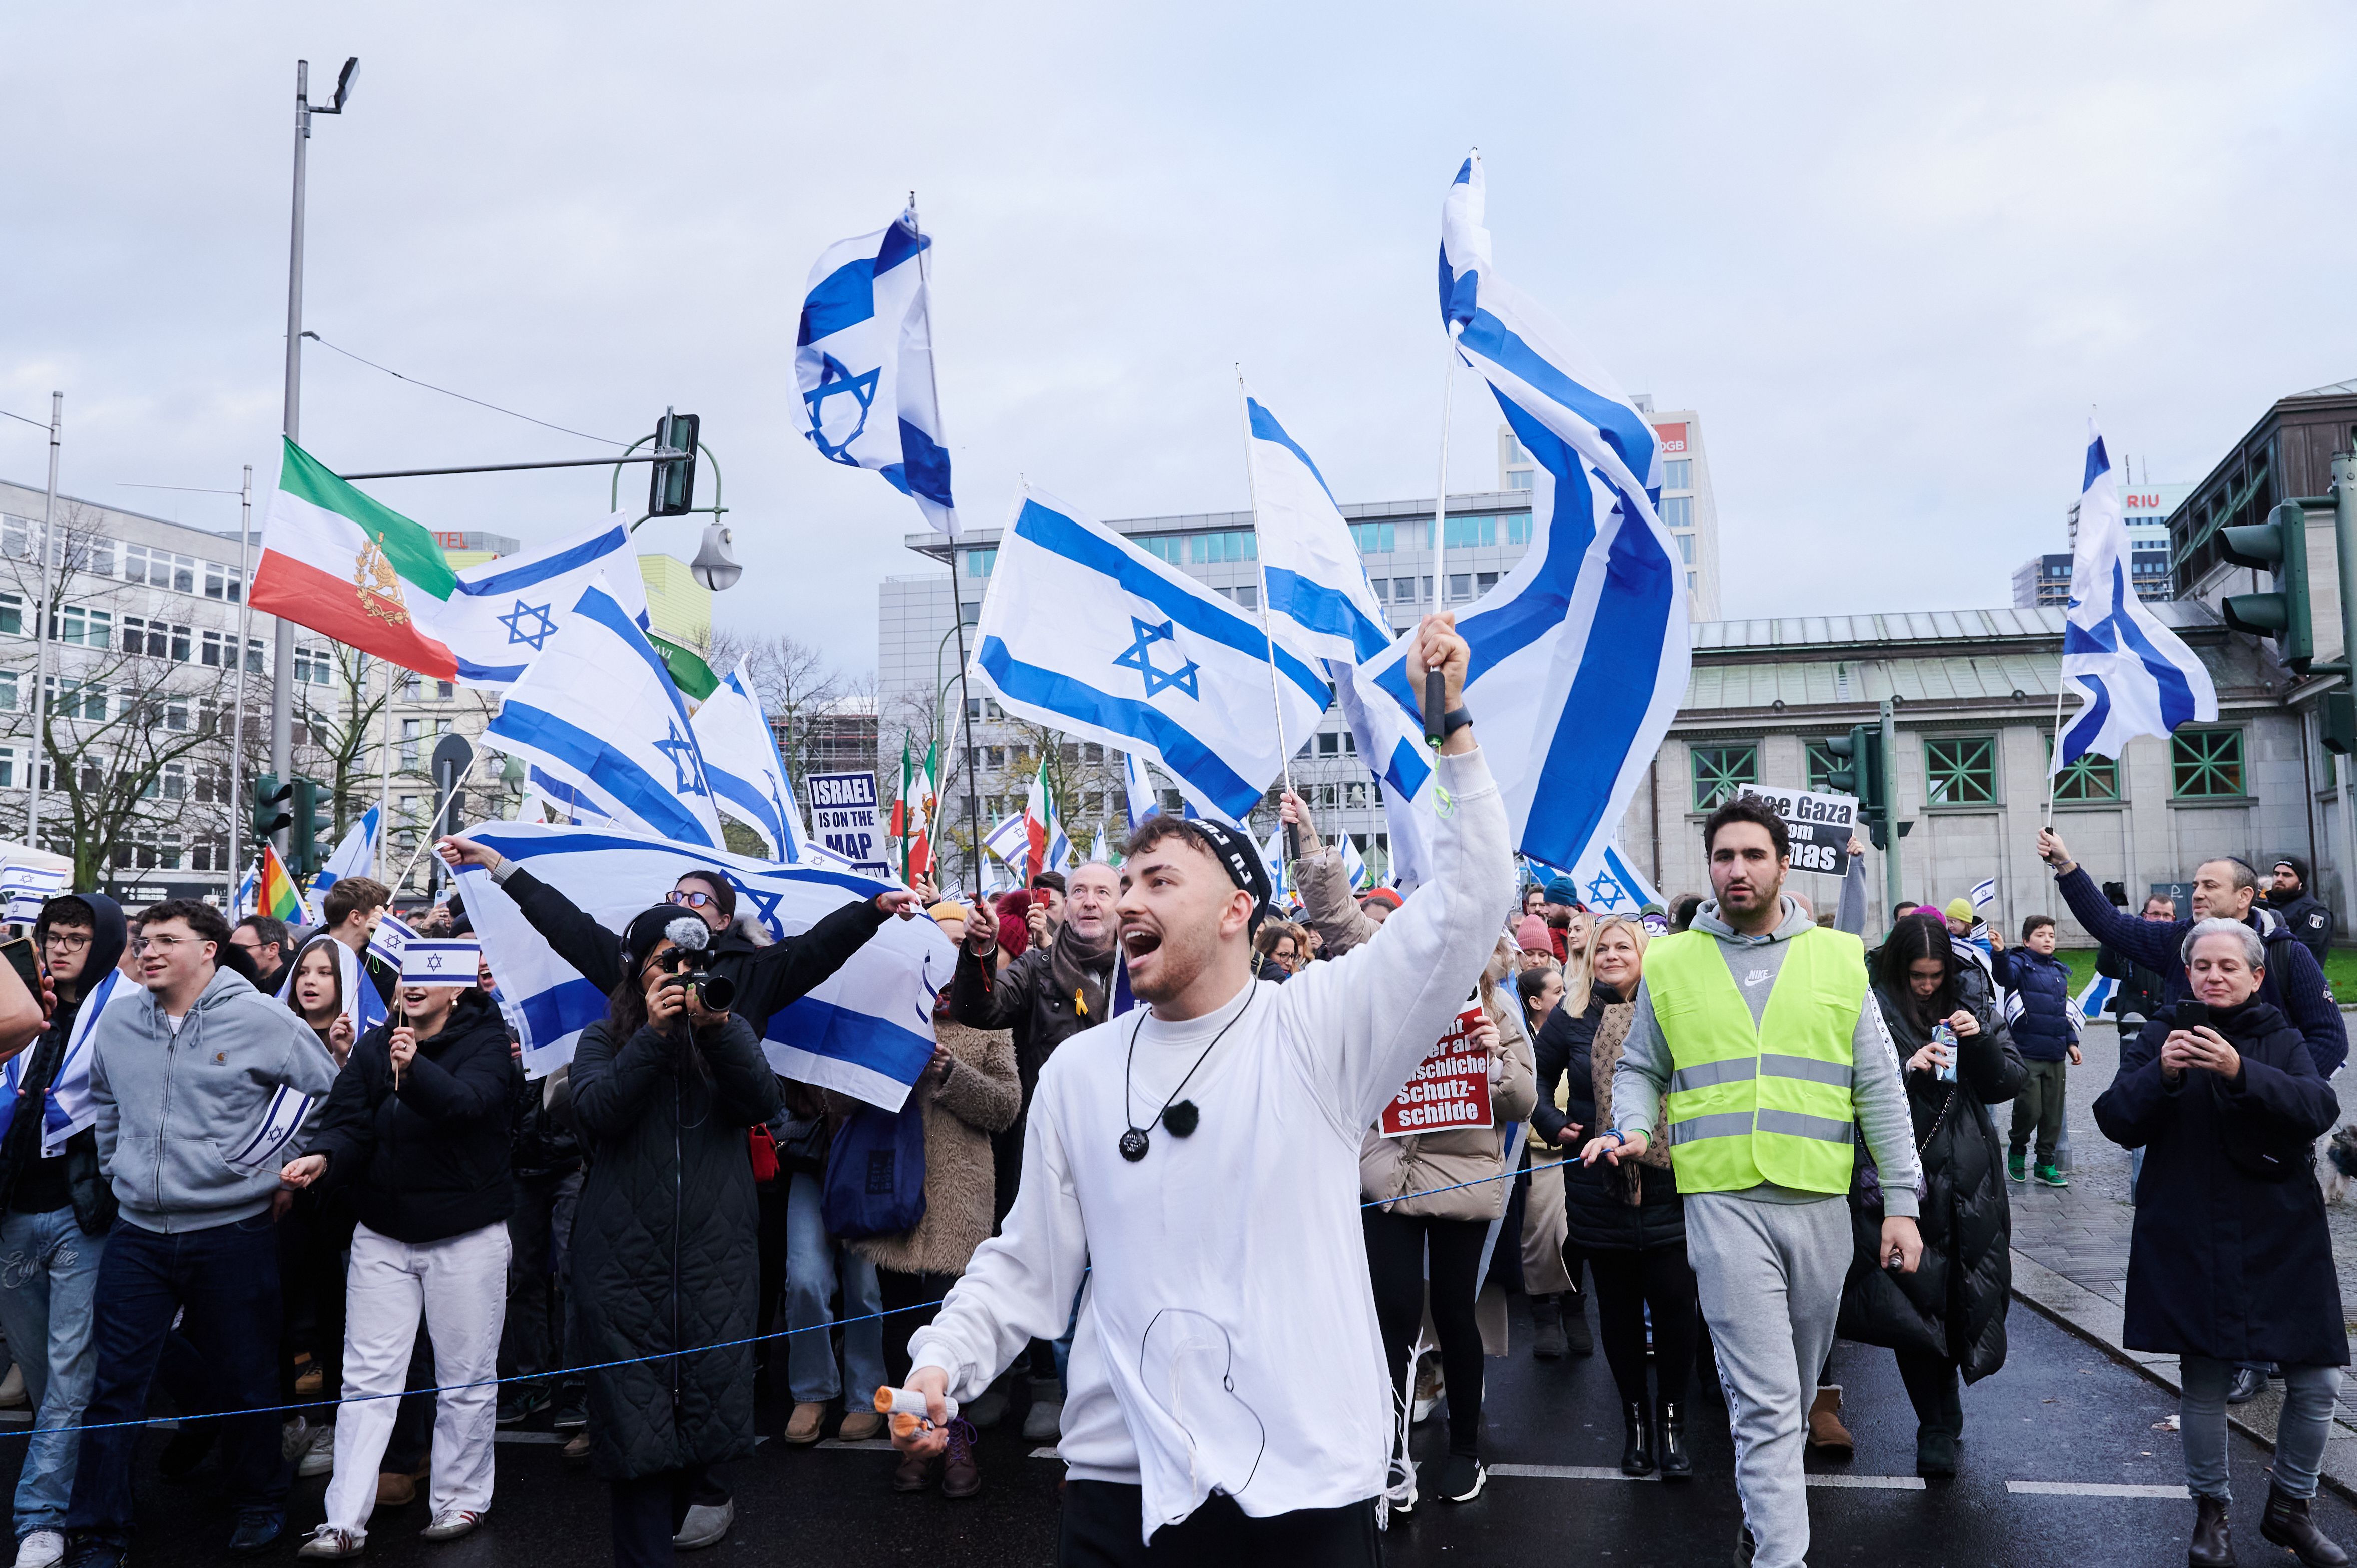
column 2045, row 1024
column 1945, row 1319
column 1627, row 1220
column 2231, row 1260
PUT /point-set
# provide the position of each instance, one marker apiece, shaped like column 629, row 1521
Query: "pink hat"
column 1531, row 936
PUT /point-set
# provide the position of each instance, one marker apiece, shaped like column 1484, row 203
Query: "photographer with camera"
column 664, row 1252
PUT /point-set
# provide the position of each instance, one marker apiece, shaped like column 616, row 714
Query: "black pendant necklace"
column 1180, row 1116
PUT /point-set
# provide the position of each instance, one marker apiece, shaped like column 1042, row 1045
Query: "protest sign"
column 1449, row 1088
column 845, row 818
column 1821, row 825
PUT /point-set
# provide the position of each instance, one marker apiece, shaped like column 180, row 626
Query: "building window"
column 996, row 755
column 978, row 563
column 1228, row 544
column 80, row 627
column 12, row 615
column 1404, row 590
column 1685, row 548
column 2089, row 778
column 1518, row 528
column 446, row 690
column 221, row 582
column 1374, row 538
column 1959, row 771
column 1720, row 772
column 2206, row 764
column 1484, row 581
column 1466, row 531
column 7, row 691
column 1677, row 474
column 970, row 612
column 1170, row 547
column 1677, row 511
column 1383, row 587
column 1460, row 584
column 1821, row 765
column 1521, row 479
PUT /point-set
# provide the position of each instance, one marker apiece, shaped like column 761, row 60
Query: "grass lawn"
column 2340, row 970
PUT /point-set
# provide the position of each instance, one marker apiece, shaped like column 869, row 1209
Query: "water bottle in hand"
column 1943, row 1043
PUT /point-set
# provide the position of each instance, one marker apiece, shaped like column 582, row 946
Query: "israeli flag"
column 27, row 887
column 1354, row 865
column 559, row 798
column 1313, row 580
column 597, row 713
column 1010, row 840
column 249, row 891
column 1086, row 633
column 1608, row 884
column 747, row 776
column 502, row 612
column 2091, row 1002
column 67, row 1107
column 2136, row 676
column 1103, row 853
column 432, row 961
column 1984, row 897
column 865, row 364
column 356, row 856
column 388, row 939
column 1143, row 798
column 1580, row 655
column 867, row 1031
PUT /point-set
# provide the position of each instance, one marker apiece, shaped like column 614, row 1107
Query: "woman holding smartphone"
column 2231, row 1260
column 1945, row 1321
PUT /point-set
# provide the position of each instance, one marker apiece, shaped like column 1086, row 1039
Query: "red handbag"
column 764, row 1150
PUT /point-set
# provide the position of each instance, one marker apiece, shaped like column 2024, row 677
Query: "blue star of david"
column 765, row 906
column 834, row 379
column 515, row 620
column 1138, row 656
column 433, row 962
column 1606, row 891
column 688, row 771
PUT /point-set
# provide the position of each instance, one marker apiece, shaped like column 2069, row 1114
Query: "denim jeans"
column 49, row 1274
column 2306, row 1423
column 814, row 1260
column 226, row 1276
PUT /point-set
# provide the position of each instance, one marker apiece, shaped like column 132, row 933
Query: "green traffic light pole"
column 1888, row 740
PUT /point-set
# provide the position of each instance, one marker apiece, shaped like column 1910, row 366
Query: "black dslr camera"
column 691, row 965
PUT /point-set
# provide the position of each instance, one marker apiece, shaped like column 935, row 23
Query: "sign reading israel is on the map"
column 845, row 818
column 1821, row 825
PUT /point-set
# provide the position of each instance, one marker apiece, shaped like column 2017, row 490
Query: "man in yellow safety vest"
column 1756, row 1039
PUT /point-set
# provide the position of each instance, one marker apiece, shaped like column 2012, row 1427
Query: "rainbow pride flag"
column 280, row 899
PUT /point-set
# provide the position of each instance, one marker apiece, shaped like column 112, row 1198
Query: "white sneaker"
column 294, row 1438
column 452, row 1525
column 327, row 1541
column 705, row 1525
column 319, row 1455
column 12, row 1389
column 42, row 1549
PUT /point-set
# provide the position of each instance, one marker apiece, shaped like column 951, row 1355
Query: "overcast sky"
column 1891, row 257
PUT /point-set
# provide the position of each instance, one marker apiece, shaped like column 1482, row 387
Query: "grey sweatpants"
column 1771, row 1278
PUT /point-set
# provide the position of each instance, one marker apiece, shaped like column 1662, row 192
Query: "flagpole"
column 1275, row 694
column 245, row 632
column 2054, row 761
column 957, row 594
column 1433, row 689
column 385, row 786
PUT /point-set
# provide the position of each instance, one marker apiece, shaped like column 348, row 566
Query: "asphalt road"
column 2085, row 1436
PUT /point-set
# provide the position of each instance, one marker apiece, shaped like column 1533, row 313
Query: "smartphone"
column 28, row 967
column 2192, row 1016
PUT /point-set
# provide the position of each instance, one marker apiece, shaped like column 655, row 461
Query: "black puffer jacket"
column 76, row 1176
column 664, row 1254
column 1954, row 1304
column 1559, row 1056
column 2225, row 1261
column 428, row 1160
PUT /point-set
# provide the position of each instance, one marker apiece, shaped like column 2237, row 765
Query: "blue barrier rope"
column 642, row 1360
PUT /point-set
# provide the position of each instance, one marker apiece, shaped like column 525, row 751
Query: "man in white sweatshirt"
column 1198, row 1166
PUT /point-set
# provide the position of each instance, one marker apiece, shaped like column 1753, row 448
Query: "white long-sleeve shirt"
column 1227, row 1340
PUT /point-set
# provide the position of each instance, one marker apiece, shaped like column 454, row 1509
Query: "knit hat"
column 1531, row 936
column 1563, row 890
column 1389, row 898
column 2298, row 869
column 1961, row 910
column 649, row 927
column 950, row 909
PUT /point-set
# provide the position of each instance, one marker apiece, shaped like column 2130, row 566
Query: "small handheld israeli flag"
column 1984, row 897
column 391, row 939
column 431, row 961
column 864, row 363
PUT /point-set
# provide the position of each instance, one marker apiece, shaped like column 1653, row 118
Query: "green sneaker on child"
column 2052, row 1177
column 2015, row 1165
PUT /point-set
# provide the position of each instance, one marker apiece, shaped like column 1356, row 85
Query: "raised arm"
column 985, row 996
column 2152, row 943
column 1327, row 906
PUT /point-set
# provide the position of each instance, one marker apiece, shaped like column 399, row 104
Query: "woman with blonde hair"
column 1630, row 1223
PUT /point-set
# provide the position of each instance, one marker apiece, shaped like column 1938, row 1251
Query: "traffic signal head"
column 672, row 490
column 312, row 807
column 1842, row 777
column 272, row 805
column 2281, row 543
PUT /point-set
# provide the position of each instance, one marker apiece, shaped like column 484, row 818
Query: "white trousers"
column 460, row 1284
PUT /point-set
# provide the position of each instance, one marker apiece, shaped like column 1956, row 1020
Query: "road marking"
column 1870, row 1483
column 1606, row 1472
column 543, row 1437
column 866, row 1446
column 2092, row 1489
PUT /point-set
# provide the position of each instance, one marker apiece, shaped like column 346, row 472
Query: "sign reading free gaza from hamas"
column 845, row 818
column 1821, row 825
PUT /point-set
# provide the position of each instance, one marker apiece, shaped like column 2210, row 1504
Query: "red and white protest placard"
column 1450, row 1089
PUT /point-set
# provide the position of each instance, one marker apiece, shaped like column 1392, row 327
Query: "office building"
column 2043, row 580
column 2144, row 508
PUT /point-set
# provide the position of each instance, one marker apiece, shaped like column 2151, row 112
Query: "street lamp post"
column 282, row 691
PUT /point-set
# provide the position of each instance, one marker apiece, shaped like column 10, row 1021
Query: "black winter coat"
column 664, row 1250
column 1954, row 1304
column 1022, row 997
column 1597, row 1215
column 768, row 979
column 428, row 1160
column 2142, row 992
column 1560, row 1054
column 2224, row 1263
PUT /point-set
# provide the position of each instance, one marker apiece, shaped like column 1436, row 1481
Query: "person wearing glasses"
column 185, row 1076
column 768, row 975
column 55, row 1210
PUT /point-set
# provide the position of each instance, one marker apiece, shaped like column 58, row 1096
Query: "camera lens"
column 717, row 991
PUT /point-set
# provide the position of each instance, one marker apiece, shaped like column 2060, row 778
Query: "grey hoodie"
column 1877, row 1091
column 171, row 1109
